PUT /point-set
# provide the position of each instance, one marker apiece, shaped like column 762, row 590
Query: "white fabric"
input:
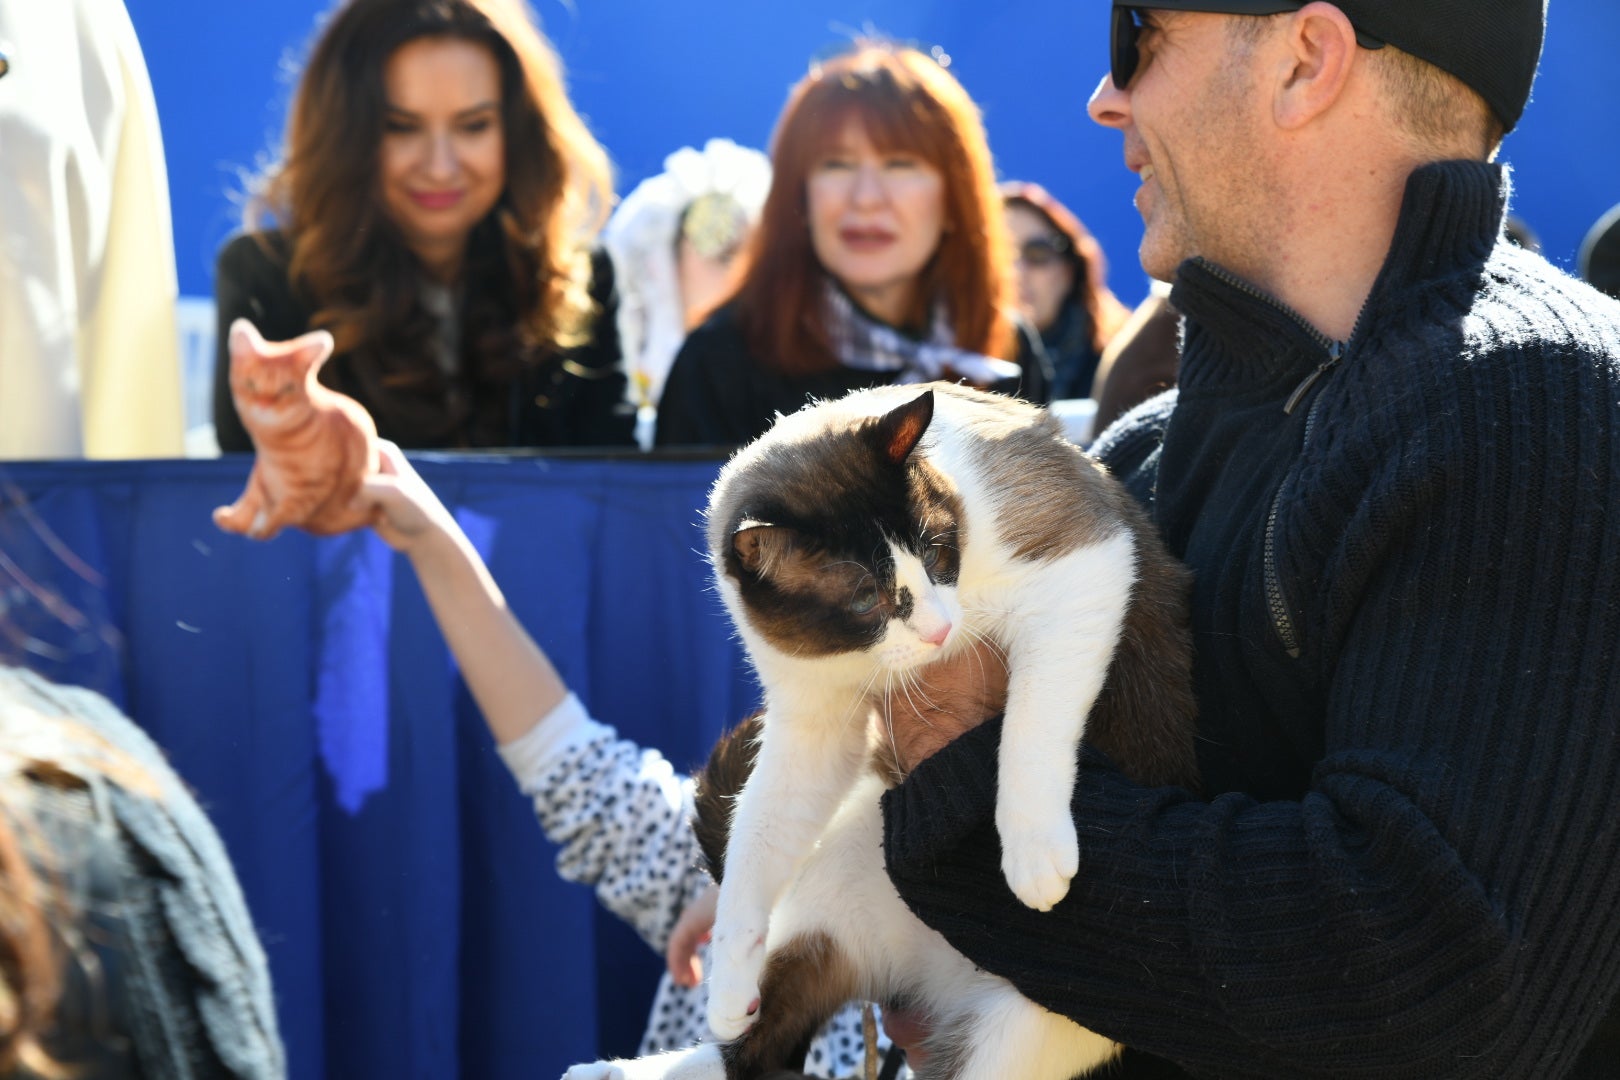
column 640, row 238
column 89, row 355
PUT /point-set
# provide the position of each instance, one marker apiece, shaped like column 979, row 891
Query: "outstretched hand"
column 947, row 698
column 406, row 508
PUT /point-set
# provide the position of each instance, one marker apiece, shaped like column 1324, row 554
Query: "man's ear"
column 1320, row 51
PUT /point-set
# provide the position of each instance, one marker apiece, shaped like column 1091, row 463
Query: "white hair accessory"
column 726, row 185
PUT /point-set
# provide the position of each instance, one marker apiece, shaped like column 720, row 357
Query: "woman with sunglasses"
column 435, row 208
column 1062, row 285
column 881, row 257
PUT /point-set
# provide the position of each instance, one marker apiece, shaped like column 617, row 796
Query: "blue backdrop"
column 403, row 890
column 653, row 75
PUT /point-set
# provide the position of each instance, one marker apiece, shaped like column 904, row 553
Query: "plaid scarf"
column 864, row 343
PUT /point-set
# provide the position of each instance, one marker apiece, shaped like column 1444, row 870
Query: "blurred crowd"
column 486, row 286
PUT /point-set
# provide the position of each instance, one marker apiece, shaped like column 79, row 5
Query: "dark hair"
column 528, row 262
column 908, row 102
column 1105, row 313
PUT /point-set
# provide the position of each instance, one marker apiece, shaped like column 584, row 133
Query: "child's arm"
column 510, row 678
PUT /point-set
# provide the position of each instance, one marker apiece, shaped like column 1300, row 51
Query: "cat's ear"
column 759, row 547
column 311, row 349
column 245, row 342
column 307, row 350
column 898, row 430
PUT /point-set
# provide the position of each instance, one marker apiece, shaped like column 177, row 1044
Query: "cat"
column 314, row 445
column 855, row 542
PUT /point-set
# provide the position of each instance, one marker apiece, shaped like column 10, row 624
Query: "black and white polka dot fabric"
column 621, row 815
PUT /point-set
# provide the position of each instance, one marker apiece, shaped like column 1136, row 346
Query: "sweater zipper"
column 1281, row 622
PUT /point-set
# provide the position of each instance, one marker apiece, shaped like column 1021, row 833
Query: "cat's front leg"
column 247, row 516
column 1060, row 651
column 806, row 764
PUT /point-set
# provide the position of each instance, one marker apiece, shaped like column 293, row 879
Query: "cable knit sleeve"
column 1443, row 899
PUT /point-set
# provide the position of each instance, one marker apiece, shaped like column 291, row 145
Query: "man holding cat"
column 1392, row 464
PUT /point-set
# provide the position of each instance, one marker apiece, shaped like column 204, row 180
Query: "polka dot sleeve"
column 621, row 815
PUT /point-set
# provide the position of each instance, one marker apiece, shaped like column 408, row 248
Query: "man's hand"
column 945, row 699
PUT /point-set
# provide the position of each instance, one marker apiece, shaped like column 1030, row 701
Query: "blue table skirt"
column 405, row 895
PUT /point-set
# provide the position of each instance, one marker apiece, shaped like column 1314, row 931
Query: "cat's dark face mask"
column 815, row 562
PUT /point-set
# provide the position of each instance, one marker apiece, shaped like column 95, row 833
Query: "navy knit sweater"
column 1407, row 859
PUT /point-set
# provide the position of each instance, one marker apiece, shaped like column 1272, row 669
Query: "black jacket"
column 572, row 398
column 719, row 394
column 1407, row 634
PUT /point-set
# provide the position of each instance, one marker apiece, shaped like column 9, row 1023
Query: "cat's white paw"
column 736, row 961
column 1039, row 859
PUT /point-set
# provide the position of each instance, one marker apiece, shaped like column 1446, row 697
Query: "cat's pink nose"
column 938, row 635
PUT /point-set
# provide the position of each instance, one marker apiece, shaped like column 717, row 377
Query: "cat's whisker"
column 888, row 729
column 909, row 683
column 980, row 637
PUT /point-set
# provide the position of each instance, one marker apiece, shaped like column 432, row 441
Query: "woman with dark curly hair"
column 435, row 207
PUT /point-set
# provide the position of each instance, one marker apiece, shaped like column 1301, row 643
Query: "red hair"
column 907, row 103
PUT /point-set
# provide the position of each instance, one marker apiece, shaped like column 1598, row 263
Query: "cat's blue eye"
column 864, row 601
column 930, row 556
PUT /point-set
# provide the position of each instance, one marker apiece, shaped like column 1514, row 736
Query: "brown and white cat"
column 314, row 445
column 856, row 542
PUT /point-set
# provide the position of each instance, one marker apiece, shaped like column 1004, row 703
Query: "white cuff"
column 564, row 728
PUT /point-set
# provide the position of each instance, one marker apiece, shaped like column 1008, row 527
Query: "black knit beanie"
column 1600, row 253
column 1491, row 45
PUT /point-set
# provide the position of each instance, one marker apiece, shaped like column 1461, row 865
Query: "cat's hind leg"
column 806, row 980
column 1005, row 1035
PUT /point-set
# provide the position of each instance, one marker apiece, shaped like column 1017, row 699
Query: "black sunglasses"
column 1122, row 52
column 1043, row 251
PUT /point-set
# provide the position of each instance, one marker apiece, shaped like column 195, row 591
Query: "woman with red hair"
column 881, row 257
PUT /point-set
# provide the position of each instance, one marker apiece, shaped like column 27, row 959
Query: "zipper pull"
column 1335, row 352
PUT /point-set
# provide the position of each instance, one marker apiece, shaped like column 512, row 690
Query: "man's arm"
column 1438, row 902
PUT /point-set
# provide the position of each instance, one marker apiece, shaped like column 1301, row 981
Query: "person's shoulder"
column 254, row 254
column 1561, row 304
column 603, row 283
column 1125, row 443
column 1529, row 328
column 719, row 336
column 723, row 322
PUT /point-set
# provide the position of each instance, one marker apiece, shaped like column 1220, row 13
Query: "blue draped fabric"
column 402, row 888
